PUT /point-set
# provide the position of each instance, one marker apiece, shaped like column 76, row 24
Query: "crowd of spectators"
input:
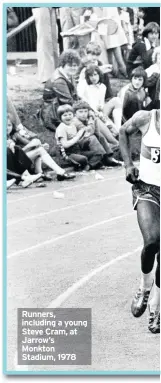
column 78, row 104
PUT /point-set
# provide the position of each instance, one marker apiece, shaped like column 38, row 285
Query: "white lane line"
column 29, row 217
column 72, row 289
column 35, row 195
column 81, row 282
column 69, row 234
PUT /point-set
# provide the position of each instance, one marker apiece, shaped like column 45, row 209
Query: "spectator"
column 127, row 27
column 133, row 95
column 85, row 118
column 18, row 164
column 76, row 145
column 12, row 22
column 142, row 50
column 114, row 41
column 94, row 86
column 69, row 18
column 78, row 139
column 15, row 120
column 155, row 67
column 47, row 47
column 60, row 88
column 153, row 80
column 36, row 152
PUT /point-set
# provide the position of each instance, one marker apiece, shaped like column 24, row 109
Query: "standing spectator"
column 142, row 50
column 69, row 18
column 47, row 47
column 114, row 42
column 127, row 27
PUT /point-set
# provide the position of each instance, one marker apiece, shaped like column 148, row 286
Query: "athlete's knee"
column 151, row 247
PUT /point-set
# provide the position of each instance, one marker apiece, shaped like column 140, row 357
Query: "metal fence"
column 25, row 40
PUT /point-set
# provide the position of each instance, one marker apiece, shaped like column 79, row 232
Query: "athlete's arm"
column 138, row 122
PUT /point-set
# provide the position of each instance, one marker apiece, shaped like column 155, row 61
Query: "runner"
column 146, row 201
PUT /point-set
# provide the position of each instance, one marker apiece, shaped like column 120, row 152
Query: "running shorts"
column 145, row 192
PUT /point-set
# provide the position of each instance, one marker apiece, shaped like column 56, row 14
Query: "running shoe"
column 139, row 303
column 154, row 321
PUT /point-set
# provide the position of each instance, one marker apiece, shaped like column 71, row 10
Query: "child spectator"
column 93, row 91
column 142, row 50
column 92, row 54
column 67, row 135
column 80, row 144
column 133, row 95
column 85, row 118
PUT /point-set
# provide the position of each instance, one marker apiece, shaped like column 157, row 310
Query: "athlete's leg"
column 148, row 215
column 154, row 304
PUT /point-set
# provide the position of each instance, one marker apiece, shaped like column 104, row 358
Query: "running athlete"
column 146, row 201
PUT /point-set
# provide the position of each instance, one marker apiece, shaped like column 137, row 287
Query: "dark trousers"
column 18, row 162
column 88, row 151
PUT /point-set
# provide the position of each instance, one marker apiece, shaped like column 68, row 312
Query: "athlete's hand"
column 132, row 174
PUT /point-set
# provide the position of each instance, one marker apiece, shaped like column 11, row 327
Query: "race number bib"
column 155, row 155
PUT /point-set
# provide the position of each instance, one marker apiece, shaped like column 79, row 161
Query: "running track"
column 81, row 251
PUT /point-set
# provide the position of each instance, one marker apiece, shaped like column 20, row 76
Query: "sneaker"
column 154, row 321
column 10, row 183
column 65, row 176
column 112, row 162
column 30, row 179
column 139, row 303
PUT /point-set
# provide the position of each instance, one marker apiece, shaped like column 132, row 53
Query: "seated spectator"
column 133, row 95
column 84, row 117
column 104, row 110
column 153, row 80
column 92, row 55
column 79, row 143
column 36, row 152
column 19, row 166
column 142, row 50
column 71, row 139
column 60, row 88
column 155, row 67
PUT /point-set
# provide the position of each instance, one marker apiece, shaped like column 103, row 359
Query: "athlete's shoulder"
column 140, row 118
